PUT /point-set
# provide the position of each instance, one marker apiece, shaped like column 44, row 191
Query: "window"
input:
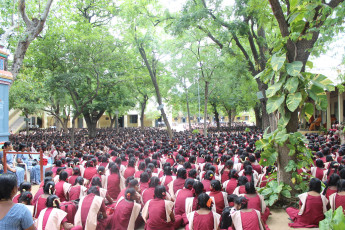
column 133, row 119
column 2, row 64
column 246, row 118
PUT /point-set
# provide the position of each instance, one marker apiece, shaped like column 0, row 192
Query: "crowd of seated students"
column 141, row 178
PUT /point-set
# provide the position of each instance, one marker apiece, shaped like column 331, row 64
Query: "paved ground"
column 277, row 221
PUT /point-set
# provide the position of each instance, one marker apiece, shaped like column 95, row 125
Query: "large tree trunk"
column 216, row 114
column 91, row 118
column 229, row 117
column 112, row 120
column 152, row 72
column 65, row 124
column 188, row 112
column 73, row 131
column 142, row 112
column 258, row 118
column 27, row 124
column 205, row 108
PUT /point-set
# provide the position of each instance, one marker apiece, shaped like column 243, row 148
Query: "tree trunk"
column 116, row 123
column 142, row 112
column 258, row 118
column 152, row 72
column 72, row 131
column 91, row 118
column 229, row 116
column 112, row 120
column 65, row 124
column 188, row 112
column 205, row 109
column 216, row 114
column 265, row 118
column 283, row 153
column 27, row 124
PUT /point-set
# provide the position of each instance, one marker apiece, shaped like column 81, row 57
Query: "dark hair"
column 315, row 185
column 216, row 185
column 319, row 163
column 341, row 185
column 48, row 173
column 160, row 192
column 189, row 183
column 51, row 200
column 24, row 186
column 333, row 180
column 94, row 190
column 101, row 169
column 144, row 177
column 49, row 188
column 79, row 180
column 242, row 180
column 202, row 201
column 250, row 188
column 342, row 173
column 182, row 173
column 192, row 173
column 142, row 166
column 132, row 183
column 46, row 180
column 76, row 171
column 63, row 176
column 226, row 218
column 241, row 201
column 114, row 169
column 209, row 175
column 96, row 181
column 25, row 197
column 58, row 163
column 129, row 193
column 128, row 180
column 8, row 182
column 154, row 182
column 198, row 187
column 233, row 174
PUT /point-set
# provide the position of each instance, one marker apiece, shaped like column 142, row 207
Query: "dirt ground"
column 278, row 219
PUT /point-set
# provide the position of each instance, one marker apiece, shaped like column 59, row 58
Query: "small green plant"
column 273, row 191
column 333, row 220
column 323, row 129
column 196, row 131
column 247, row 130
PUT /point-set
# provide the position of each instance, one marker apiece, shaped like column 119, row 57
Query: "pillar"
column 125, row 117
column 328, row 110
column 340, row 107
column 5, row 82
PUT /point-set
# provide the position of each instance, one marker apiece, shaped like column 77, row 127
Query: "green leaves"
column 292, row 84
column 273, row 89
column 333, row 220
column 308, row 110
column 274, row 103
column 293, row 100
column 277, row 61
column 294, row 68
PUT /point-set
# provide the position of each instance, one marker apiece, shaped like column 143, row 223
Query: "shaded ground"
column 277, row 221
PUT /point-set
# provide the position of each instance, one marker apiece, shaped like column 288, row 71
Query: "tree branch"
column 23, row 13
column 211, row 36
column 279, row 15
column 46, row 10
column 334, row 3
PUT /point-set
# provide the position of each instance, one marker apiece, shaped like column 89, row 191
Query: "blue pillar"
column 5, row 81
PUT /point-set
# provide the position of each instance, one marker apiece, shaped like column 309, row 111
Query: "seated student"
column 101, row 175
column 265, row 177
column 126, row 214
column 57, row 175
column 338, row 199
column 241, row 182
column 256, row 166
column 62, row 187
column 178, row 183
column 40, row 190
column 204, row 218
column 256, row 201
column 220, row 198
column 245, row 218
column 46, row 174
column 231, row 184
column 141, row 169
column 131, row 183
column 331, row 186
column 76, row 173
column 24, row 187
column 52, row 218
column 114, row 182
column 312, row 204
column 130, row 170
column 144, row 181
column 158, row 212
column 11, row 168
column 225, row 219
column 91, row 213
column 250, row 174
column 78, row 190
column 26, row 199
column 209, row 176
column 58, row 164
column 167, row 178
column 12, row 216
column 49, row 189
column 149, row 193
column 90, row 171
column 182, row 195
column 96, row 181
column 191, row 203
column 225, row 172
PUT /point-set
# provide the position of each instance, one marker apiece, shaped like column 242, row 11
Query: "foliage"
column 274, row 190
column 195, row 131
column 333, row 220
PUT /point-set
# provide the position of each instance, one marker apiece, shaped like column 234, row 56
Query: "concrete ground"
column 278, row 220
